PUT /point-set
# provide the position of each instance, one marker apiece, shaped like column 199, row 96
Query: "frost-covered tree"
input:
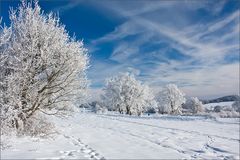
column 236, row 105
column 194, row 105
column 99, row 108
column 41, row 66
column 127, row 95
column 170, row 99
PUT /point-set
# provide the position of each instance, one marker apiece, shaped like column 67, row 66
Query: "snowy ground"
column 96, row 136
column 212, row 105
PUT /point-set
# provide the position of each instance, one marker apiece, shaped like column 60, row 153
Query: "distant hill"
column 222, row 99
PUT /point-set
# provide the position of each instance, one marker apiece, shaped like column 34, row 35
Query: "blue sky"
column 194, row 44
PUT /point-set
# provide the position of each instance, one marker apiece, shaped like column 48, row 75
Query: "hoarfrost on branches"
column 41, row 66
column 194, row 105
column 170, row 99
column 125, row 94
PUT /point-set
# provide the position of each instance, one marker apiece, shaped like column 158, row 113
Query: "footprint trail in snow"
column 84, row 150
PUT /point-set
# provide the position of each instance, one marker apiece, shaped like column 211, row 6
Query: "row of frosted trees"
column 125, row 94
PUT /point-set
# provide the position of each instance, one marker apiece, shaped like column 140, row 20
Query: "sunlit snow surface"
column 109, row 136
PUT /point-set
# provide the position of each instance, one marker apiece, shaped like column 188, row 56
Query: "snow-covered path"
column 96, row 136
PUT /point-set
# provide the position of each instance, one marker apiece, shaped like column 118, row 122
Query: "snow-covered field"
column 212, row 105
column 109, row 136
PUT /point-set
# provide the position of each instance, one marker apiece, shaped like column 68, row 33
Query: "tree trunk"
column 128, row 110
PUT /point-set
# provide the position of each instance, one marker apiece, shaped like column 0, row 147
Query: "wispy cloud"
column 70, row 5
column 205, row 43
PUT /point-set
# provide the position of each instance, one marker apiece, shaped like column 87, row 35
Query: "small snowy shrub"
column 37, row 125
column 127, row 95
column 98, row 107
column 151, row 110
column 223, row 108
column 227, row 108
column 217, row 109
column 170, row 99
column 226, row 112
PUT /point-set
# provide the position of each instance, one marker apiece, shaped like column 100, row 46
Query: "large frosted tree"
column 170, row 99
column 41, row 66
column 194, row 105
column 127, row 95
